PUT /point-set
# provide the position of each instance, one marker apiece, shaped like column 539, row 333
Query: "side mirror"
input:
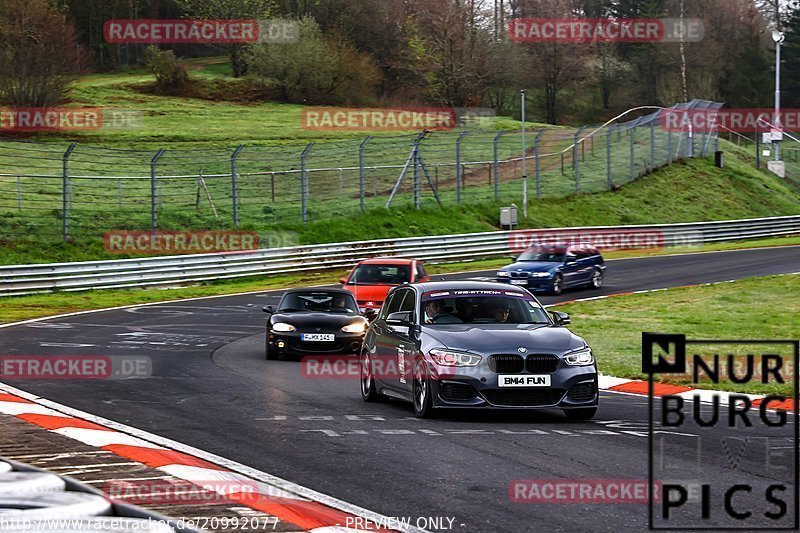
column 560, row 319
column 370, row 314
column 343, row 281
column 513, row 257
column 400, row 318
column 569, row 258
column 269, row 309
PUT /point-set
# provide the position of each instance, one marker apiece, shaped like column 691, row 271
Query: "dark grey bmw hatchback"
column 465, row 344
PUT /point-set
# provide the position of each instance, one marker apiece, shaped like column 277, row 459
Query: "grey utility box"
column 508, row 217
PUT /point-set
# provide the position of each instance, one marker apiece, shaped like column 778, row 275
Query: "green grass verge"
column 754, row 308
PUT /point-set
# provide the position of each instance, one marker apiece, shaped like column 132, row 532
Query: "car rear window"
column 381, row 274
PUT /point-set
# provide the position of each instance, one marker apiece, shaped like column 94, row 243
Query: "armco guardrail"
column 153, row 271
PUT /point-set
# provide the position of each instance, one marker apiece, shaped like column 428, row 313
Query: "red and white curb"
column 638, row 387
column 292, row 503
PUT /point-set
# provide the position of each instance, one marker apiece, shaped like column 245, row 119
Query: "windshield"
column 472, row 307
column 318, row 301
column 380, row 275
column 543, row 254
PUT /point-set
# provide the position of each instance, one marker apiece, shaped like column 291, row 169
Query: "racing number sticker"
column 401, row 363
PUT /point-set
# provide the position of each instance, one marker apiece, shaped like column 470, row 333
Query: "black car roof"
column 465, row 285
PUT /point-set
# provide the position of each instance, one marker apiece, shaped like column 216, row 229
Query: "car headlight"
column 356, row 327
column 540, row 274
column 502, row 274
column 451, row 358
column 582, row 357
column 283, row 327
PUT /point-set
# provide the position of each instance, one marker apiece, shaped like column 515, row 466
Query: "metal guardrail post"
column 633, row 160
column 153, row 210
column 575, row 164
column 537, row 166
column 609, row 179
column 361, row 148
column 304, row 183
column 496, row 163
column 66, row 191
column 458, row 166
column 234, row 189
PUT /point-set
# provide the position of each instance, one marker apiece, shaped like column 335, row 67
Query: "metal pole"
column 575, row 164
column 304, row 183
column 537, row 165
column 652, row 144
column 758, row 146
column 119, row 191
column 524, row 174
column 608, row 157
column 65, row 192
column 633, row 133
column 153, row 210
column 416, row 175
column 361, row 148
column 234, row 190
column 777, row 120
column 19, row 193
column 458, row 166
column 496, row 164
column 669, row 145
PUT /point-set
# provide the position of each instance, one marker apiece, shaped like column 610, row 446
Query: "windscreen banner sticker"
column 474, row 294
column 733, row 465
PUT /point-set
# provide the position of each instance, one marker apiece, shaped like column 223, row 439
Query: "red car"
column 371, row 279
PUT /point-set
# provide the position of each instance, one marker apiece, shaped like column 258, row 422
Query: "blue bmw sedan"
column 552, row 268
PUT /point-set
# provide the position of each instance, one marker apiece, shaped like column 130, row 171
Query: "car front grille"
column 506, row 363
column 456, row 391
column 541, row 363
column 523, row 397
column 520, row 275
column 582, row 392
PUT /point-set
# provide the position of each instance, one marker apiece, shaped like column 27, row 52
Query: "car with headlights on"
column 371, row 279
column 465, row 344
column 552, row 268
column 314, row 321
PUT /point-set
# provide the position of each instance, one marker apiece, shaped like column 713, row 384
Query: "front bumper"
column 532, row 284
column 570, row 387
column 290, row 343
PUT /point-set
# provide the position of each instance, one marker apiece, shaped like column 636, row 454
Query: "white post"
column 524, row 174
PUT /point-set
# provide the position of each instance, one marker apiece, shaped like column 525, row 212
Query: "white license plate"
column 519, row 281
column 523, row 380
column 317, row 337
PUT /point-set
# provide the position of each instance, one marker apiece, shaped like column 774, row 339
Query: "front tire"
column 558, row 285
column 269, row 355
column 585, row 413
column 368, row 391
column 421, row 390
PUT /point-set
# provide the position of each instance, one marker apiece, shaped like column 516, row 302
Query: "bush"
column 171, row 76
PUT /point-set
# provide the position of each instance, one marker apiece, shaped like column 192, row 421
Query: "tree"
column 315, row 68
column 790, row 53
column 229, row 9
column 39, row 53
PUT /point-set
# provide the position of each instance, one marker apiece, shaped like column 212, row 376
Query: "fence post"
column 234, row 189
column 670, row 159
column 575, row 164
column 652, row 144
column 66, row 191
column 633, row 161
column 153, row 211
column 536, row 163
column 458, row 166
column 119, row 191
column 304, row 183
column 496, row 164
column 19, row 193
column 608, row 156
column 361, row 148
